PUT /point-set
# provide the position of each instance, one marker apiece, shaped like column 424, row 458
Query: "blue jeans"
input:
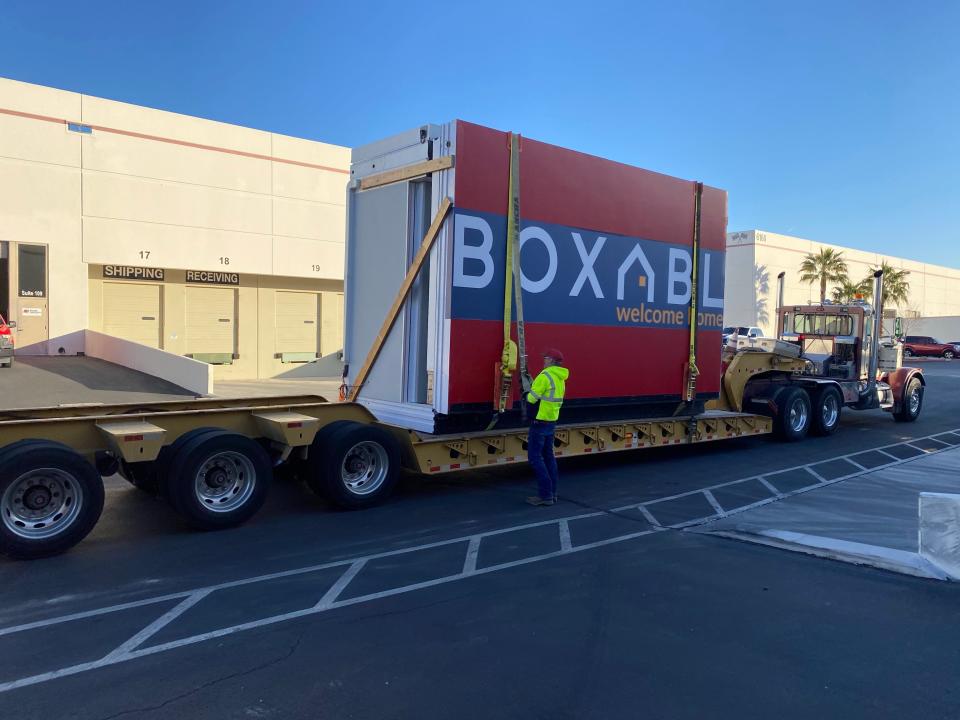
column 541, row 458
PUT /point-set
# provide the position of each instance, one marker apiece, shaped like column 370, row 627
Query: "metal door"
column 32, row 315
column 297, row 327
column 331, row 319
column 211, row 323
column 132, row 311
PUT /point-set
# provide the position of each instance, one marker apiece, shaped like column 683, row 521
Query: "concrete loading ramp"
column 49, row 381
column 904, row 517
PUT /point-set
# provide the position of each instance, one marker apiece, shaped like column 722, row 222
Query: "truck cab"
column 841, row 346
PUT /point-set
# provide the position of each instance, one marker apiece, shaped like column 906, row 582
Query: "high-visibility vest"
column 548, row 390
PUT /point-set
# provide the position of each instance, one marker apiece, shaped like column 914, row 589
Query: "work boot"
column 536, row 500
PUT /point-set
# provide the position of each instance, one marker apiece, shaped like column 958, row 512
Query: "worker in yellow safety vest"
column 547, row 391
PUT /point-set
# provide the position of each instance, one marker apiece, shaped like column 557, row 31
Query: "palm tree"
column 847, row 290
column 896, row 287
column 826, row 266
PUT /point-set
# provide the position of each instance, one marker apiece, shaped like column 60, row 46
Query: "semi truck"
column 213, row 460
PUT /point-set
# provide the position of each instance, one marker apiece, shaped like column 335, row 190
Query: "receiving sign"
column 212, row 277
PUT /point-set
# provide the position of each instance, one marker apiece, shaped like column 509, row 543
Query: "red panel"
column 604, row 361
column 570, row 188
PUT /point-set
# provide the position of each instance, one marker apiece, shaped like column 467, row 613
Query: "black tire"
column 827, row 405
column 792, row 419
column 948, row 354
column 910, row 411
column 159, row 469
column 907, row 352
column 26, row 533
column 370, row 454
column 227, row 462
column 311, row 469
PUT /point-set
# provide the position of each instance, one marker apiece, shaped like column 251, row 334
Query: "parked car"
column 6, row 343
column 924, row 345
column 743, row 331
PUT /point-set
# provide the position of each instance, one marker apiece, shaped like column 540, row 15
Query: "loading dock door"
column 331, row 337
column 210, row 327
column 297, row 329
column 132, row 311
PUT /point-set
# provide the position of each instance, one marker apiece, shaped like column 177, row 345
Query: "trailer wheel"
column 912, row 402
column 353, row 465
column 792, row 421
column 310, row 470
column 50, row 499
column 159, row 467
column 827, row 406
column 217, row 479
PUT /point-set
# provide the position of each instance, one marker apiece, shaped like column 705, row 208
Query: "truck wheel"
column 166, row 456
column 217, row 479
column 827, row 405
column 907, row 352
column 353, row 465
column 792, row 421
column 912, row 402
column 948, row 354
column 311, row 468
column 50, row 499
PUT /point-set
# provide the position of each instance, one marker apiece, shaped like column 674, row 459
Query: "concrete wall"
column 142, row 187
column 945, row 329
column 197, row 377
column 934, row 290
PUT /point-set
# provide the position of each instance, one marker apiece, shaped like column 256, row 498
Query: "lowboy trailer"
column 213, row 460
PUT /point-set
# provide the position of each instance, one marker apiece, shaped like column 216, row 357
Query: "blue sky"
column 836, row 121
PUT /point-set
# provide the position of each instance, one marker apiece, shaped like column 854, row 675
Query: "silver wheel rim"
column 364, row 468
column 41, row 503
column 225, row 481
column 948, row 355
column 915, row 400
column 830, row 410
column 798, row 415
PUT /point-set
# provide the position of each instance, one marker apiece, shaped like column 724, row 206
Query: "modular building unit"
column 605, row 264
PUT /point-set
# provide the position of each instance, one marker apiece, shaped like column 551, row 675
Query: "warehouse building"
column 756, row 257
column 203, row 239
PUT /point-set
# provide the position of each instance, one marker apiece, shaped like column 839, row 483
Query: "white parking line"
column 817, row 475
column 131, row 648
column 330, row 597
column 565, row 542
column 769, row 486
column 161, row 622
column 714, row 504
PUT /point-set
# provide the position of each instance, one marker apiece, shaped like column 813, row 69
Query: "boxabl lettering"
column 573, row 275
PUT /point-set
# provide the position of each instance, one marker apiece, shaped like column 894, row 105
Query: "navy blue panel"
column 620, row 291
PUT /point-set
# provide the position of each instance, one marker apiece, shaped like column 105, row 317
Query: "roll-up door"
column 211, row 324
column 331, row 318
column 132, row 311
column 297, row 328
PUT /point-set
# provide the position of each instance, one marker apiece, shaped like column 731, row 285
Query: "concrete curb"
column 883, row 558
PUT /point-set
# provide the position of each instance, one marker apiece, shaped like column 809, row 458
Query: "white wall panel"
column 149, row 121
column 295, row 257
column 124, row 197
column 302, row 219
column 110, row 152
column 121, row 242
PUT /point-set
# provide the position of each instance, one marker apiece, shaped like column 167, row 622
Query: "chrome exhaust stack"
column 777, row 328
column 868, row 394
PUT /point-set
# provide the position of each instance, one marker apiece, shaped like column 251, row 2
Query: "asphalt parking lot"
column 457, row 600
